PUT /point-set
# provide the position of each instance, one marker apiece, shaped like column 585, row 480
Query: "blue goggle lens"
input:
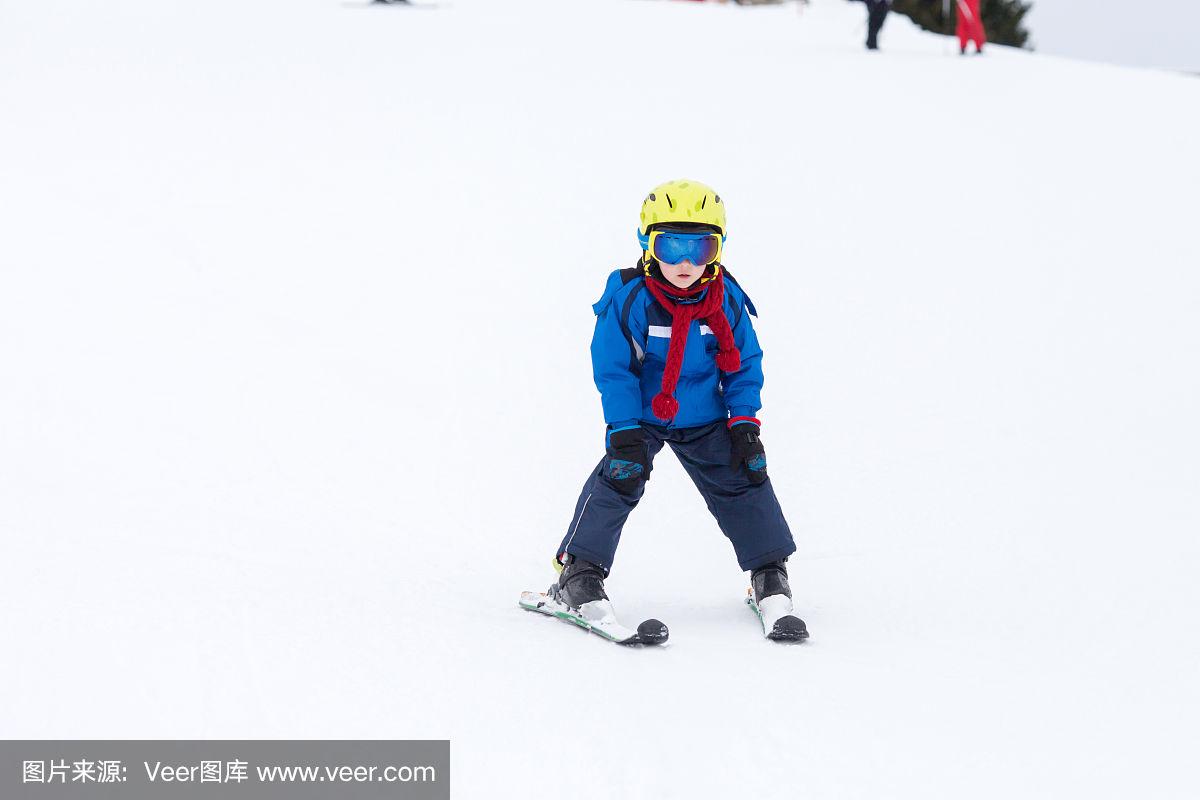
column 699, row 248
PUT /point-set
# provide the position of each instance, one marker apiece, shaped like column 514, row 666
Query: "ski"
column 597, row 617
column 779, row 624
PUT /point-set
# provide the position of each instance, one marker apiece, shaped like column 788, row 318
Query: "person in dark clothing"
column 877, row 11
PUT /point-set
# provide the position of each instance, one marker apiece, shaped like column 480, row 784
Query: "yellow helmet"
column 682, row 201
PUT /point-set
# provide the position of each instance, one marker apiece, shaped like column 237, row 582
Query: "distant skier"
column 970, row 26
column 677, row 363
column 877, row 11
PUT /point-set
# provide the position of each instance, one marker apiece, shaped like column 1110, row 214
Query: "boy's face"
column 683, row 274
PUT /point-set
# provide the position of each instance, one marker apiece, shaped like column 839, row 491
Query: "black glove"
column 628, row 459
column 748, row 451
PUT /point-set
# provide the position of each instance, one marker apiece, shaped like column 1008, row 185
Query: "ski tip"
column 652, row 631
column 788, row 629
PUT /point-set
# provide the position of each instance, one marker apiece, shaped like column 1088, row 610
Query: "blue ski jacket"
column 629, row 354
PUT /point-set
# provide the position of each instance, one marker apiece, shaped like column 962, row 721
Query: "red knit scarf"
column 711, row 309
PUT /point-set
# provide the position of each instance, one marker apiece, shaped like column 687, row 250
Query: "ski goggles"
column 672, row 247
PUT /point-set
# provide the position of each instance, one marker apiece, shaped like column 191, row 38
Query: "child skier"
column 677, row 363
column 970, row 26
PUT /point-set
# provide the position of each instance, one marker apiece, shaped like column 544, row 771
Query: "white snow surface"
column 295, row 395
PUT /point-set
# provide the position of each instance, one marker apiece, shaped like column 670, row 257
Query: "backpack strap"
column 749, row 304
column 636, row 354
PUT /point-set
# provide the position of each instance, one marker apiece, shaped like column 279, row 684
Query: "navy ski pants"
column 877, row 11
column 748, row 514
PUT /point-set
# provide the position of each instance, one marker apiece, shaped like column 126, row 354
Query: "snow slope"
column 294, row 317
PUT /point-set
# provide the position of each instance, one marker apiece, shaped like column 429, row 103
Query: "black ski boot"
column 580, row 582
column 773, row 602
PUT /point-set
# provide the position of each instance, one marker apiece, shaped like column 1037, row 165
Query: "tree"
column 1003, row 18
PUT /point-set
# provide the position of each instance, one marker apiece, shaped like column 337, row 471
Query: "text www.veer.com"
column 347, row 774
